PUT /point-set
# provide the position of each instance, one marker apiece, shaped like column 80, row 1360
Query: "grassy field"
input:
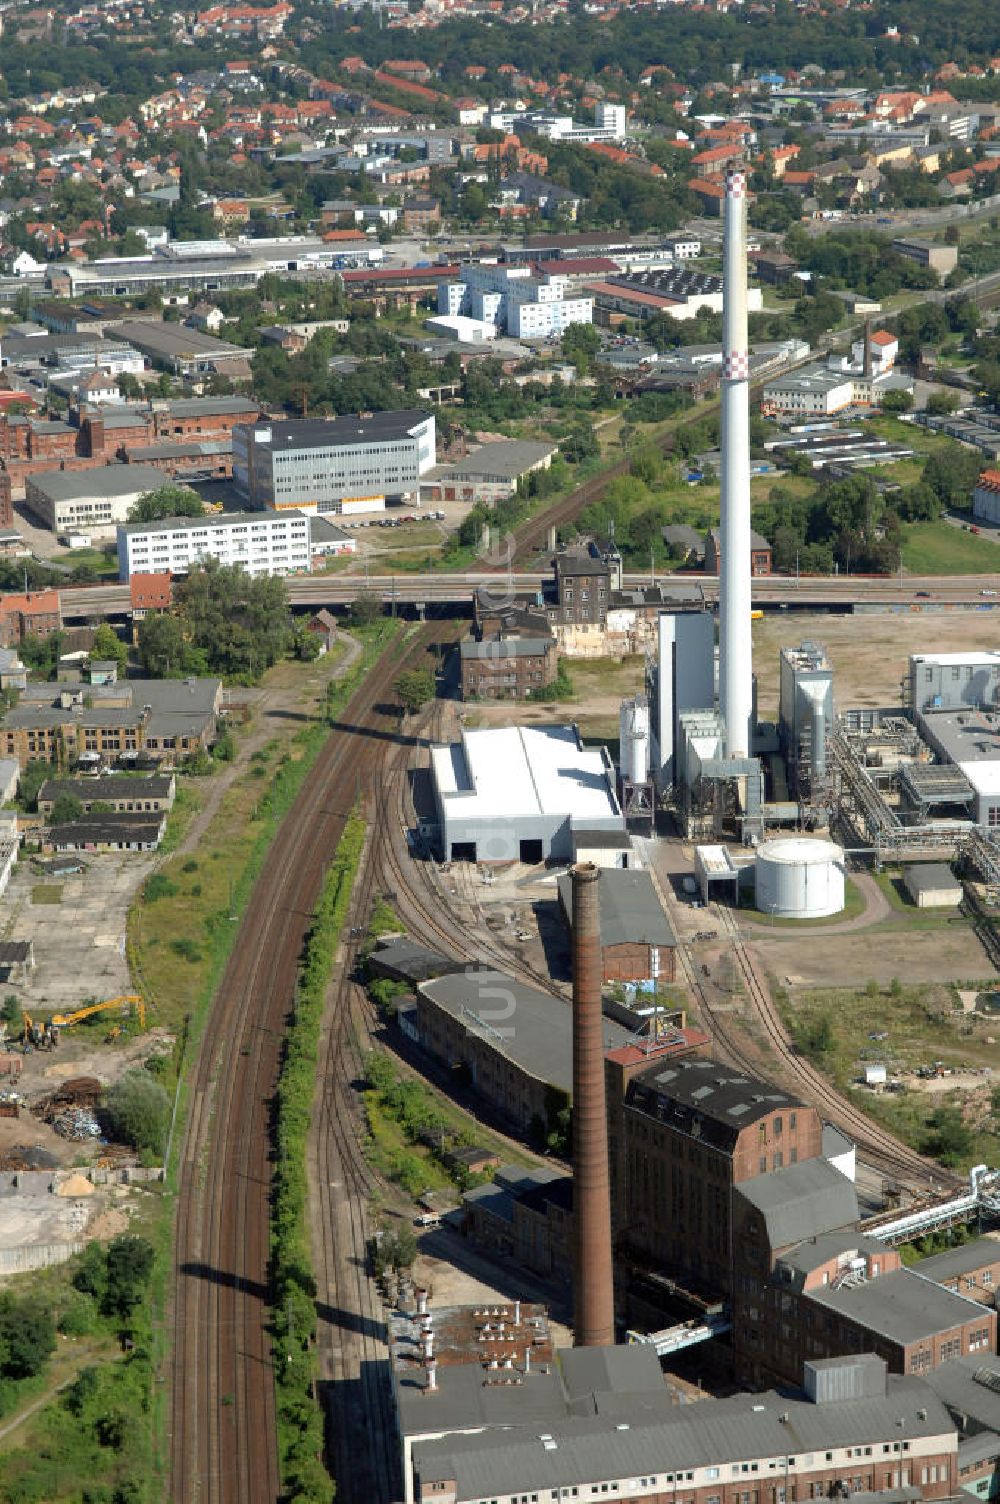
column 920, row 1027
column 940, row 548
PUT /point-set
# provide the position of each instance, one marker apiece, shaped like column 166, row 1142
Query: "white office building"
column 515, row 299
column 341, row 465
column 611, row 118
column 262, row 543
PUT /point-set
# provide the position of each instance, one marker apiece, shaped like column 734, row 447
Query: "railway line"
column 223, row 1443
column 877, row 1145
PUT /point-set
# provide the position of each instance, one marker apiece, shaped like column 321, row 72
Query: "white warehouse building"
column 514, row 299
column 263, row 543
column 518, row 793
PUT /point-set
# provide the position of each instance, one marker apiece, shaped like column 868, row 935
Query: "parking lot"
column 77, row 928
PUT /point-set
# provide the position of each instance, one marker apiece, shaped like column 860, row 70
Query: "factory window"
column 777, row 1127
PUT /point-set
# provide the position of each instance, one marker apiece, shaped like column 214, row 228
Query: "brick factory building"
column 489, row 1410
column 971, row 1269
column 524, row 1074
column 637, row 941
column 836, row 1292
column 690, row 1131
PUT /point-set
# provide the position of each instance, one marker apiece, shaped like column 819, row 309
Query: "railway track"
column 223, row 1443
column 878, row 1146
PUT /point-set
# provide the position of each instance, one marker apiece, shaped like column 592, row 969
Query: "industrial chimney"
column 593, row 1289
column 735, row 660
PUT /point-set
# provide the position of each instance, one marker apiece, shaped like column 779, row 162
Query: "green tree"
column 10, row 1014
column 108, row 645
column 65, row 810
column 32, row 778
column 366, row 608
column 164, row 649
column 240, row 622
column 138, row 1111
column 129, row 1265
column 949, row 1138
column 27, row 1336
column 414, row 689
column 897, row 402
column 166, row 501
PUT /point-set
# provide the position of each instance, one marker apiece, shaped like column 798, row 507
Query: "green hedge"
column 300, row 1422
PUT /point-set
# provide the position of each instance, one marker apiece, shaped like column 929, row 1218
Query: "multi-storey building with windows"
column 344, row 465
column 261, row 543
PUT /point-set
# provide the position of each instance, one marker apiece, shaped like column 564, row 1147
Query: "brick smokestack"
column 593, row 1288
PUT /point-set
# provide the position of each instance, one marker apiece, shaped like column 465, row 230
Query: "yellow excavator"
column 131, row 1003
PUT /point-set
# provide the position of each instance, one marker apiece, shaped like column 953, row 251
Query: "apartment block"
column 268, row 543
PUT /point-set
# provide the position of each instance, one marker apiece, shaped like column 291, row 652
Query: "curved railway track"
column 223, row 1444
column 877, row 1145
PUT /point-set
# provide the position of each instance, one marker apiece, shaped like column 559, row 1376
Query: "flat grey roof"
column 537, row 1026
column 505, row 647
column 215, row 520
column 801, row 1201
column 316, row 433
column 929, row 876
column 506, row 459
column 103, row 480
column 206, row 407
column 115, row 786
column 595, row 1448
column 630, row 910
column 900, row 1306
column 176, row 339
column 964, row 1259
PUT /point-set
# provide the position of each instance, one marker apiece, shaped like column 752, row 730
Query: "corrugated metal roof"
column 744, row 1428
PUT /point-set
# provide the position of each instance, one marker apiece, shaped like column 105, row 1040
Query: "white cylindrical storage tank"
column 800, row 877
column 633, row 724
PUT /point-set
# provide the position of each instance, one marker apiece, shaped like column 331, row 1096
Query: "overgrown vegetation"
column 954, row 1118
column 94, row 1441
column 427, row 1128
column 300, row 1425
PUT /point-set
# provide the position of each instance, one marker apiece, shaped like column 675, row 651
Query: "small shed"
column 933, row 885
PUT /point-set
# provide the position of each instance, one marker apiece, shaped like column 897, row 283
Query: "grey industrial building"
column 516, row 793
column 490, row 473
column 183, row 350
column 955, row 700
column 599, row 1421
column 805, row 716
column 91, row 501
column 337, row 465
column 682, row 679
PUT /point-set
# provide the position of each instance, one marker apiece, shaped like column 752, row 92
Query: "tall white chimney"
column 735, row 658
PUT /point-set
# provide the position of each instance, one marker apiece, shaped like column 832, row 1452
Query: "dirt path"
column 78, row 1361
column 877, row 908
column 278, row 704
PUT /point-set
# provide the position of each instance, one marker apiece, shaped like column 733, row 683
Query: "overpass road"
column 839, row 592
